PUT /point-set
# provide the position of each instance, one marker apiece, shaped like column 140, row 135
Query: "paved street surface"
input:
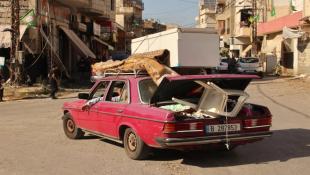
column 32, row 142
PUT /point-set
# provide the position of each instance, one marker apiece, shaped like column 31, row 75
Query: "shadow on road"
column 282, row 146
column 280, row 104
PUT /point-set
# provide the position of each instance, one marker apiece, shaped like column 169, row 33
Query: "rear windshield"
column 225, row 60
column 146, row 89
column 249, row 60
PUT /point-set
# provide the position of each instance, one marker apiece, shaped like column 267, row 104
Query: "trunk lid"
column 209, row 94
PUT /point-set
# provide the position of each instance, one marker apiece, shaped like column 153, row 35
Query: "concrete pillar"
column 295, row 50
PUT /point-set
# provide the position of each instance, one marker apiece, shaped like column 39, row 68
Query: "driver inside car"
column 117, row 92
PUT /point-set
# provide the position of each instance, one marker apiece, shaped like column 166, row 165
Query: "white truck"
column 188, row 47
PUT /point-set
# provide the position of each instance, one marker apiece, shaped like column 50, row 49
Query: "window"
column 100, row 90
column 228, row 26
column 118, row 92
column 146, row 89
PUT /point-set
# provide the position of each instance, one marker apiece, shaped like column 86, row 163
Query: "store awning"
column 103, row 43
column 5, row 35
column 78, row 42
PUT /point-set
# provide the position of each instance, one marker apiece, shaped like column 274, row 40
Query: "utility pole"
column 254, row 28
column 13, row 42
column 15, row 68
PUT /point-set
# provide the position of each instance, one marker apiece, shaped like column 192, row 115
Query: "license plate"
column 222, row 128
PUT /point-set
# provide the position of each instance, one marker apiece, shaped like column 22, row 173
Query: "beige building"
column 129, row 16
column 235, row 27
column 207, row 13
column 286, row 36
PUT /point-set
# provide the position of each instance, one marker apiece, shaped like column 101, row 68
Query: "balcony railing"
column 74, row 3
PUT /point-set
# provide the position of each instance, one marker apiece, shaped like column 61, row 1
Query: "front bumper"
column 172, row 142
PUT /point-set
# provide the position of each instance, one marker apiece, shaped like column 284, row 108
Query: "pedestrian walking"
column 53, row 77
column 232, row 65
column 1, row 86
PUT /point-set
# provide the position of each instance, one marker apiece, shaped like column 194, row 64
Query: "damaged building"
column 70, row 34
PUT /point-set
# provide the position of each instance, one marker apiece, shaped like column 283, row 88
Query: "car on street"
column 249, row 65
column 183, row 112
column 223, row 67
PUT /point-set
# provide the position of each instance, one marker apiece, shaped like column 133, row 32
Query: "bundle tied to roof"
column 154, row 63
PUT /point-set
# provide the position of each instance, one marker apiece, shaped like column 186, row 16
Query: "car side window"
column 100, row 89
column 118, row 92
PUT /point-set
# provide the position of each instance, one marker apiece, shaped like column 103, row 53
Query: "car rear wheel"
column 135, row 148
column 70, row 128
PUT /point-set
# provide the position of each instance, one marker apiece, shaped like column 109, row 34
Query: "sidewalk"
column 33, row 92
column 277, row 79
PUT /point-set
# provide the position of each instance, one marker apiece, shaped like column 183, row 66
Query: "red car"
column 183, row 112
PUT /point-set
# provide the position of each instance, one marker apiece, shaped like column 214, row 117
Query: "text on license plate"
column 222, row 128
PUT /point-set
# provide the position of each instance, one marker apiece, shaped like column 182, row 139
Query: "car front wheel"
column 70, row 128
column 135, row 148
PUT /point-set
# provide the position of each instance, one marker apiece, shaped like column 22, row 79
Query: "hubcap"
column 132, row 142
column 70, row 126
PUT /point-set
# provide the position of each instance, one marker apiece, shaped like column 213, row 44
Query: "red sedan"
column 183, row 112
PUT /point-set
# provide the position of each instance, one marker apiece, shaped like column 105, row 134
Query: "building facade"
column 207, row 13
column 151, row 26
column 69, row 34
column 129, row 17
column 286, row 36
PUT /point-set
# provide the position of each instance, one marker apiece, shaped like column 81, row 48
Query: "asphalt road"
column 32, row 142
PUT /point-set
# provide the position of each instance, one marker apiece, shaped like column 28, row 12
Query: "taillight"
column 257, row 123
column 182, row 127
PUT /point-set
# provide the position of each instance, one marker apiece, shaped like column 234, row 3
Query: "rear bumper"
column 173, row 142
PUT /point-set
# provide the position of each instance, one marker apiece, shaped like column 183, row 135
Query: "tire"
column 135, row 148
column 70, row 128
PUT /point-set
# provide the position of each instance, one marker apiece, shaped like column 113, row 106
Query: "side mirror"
column 83, row 96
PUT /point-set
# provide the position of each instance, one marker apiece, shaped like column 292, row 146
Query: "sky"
column 181, row 12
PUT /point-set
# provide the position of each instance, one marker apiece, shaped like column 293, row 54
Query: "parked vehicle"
column 208, row 110
column 223, row 67
column 249, row 65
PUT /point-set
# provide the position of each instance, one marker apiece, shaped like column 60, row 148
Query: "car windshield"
column 146, row 89
column 249, row 60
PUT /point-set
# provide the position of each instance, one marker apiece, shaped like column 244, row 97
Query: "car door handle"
column 120, row 111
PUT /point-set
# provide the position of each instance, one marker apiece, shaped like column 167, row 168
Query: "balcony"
column 221, row 1
column 94, row 7
column 125, row 10
column 243, row 32
column 134, row 3
column 74, row 3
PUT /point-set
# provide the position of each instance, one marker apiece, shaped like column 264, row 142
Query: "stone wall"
column 304, row 54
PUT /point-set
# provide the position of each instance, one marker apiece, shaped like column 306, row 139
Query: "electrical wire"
column 37, row 59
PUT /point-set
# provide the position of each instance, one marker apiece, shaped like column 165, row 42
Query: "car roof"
column 129, row 77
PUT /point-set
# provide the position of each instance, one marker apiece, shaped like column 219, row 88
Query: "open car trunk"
column 202, row 96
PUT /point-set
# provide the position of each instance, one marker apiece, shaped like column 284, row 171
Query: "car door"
column 88, row 118
column 112, row 109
